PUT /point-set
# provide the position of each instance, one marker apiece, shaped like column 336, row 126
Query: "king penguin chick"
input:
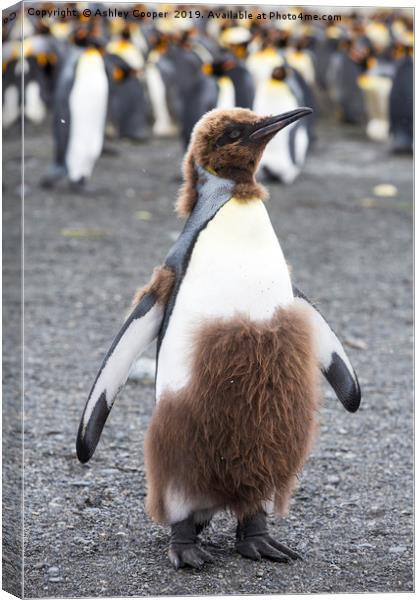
column 239, row 349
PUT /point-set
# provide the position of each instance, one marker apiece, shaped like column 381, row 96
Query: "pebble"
column 357, row 343
column 130, row 193
column 55, row 506
column 385, row 190
column 91, row 511
column 334, row 479
column 144, row 215
column 82, row 541
column 398, row 549
column 377, row 511
column 109, row 472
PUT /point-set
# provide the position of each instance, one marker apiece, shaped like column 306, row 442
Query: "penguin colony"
column 239, row 349
column 140, row 77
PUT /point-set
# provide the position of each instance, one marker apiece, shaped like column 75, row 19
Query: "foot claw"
column 260, row 547
column 191, row 555
column 279, row 546
column 270, row 552
column 206, row 556
column 175, row 559
column 254, row 542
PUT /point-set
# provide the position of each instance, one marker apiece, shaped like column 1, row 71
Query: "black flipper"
column 138, row 331
column 334, row 362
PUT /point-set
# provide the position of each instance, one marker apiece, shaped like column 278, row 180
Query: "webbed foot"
column 253, row 541
column 184, row 549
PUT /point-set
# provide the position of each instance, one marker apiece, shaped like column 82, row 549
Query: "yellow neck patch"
column 275, row 83
column 92, row 52
column 241, row 201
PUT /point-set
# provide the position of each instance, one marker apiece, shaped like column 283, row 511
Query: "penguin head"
column 230, row 143
column 279, row 73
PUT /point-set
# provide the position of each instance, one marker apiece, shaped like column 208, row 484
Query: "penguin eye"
column 234, row 134
column 230, row 136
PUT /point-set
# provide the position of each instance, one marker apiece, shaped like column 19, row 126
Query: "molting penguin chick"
column 238, row 354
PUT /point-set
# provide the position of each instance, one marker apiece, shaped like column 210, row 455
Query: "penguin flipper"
column 333, row 360
column 139, row 330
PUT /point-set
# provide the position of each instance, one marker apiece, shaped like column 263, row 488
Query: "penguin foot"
column 254, row 542
column 184, row 550
column 109, row 150
column 52, row 176
column 136, row 138
column 402, row 147
column 78, row 186
column 264, row 546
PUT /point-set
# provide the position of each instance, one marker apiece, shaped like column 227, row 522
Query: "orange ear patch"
column 42, row 59
column 207, row 69
column 117, row 74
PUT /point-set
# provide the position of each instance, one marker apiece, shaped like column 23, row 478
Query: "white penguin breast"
column 274, row 97
column 237, row 267
column 88, row 104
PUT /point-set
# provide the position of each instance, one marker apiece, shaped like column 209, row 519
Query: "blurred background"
column 150, row 71
column 109, row 101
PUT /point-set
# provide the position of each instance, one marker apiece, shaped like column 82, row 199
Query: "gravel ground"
column 86, row 531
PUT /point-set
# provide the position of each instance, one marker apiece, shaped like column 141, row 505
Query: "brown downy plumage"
column 161, row 285
column 240, row 432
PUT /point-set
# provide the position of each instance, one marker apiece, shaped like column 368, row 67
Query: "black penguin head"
column 230, row 142
column 89, row 35
column 125, row 33
column 279, row 73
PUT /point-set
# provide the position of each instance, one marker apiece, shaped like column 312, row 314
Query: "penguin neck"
column 245, row 187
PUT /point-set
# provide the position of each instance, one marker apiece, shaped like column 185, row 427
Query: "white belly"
column 88, row 104
column 236, row 267
column 11, row 107
column 226, row 97
column 35, row 109
column 274, row 97
column 163, row 125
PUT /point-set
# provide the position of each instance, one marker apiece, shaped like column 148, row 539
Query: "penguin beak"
column 272, row 125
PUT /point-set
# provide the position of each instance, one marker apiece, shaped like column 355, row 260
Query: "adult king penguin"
column 80, row 105
column 238, row 353
column 285, row 155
